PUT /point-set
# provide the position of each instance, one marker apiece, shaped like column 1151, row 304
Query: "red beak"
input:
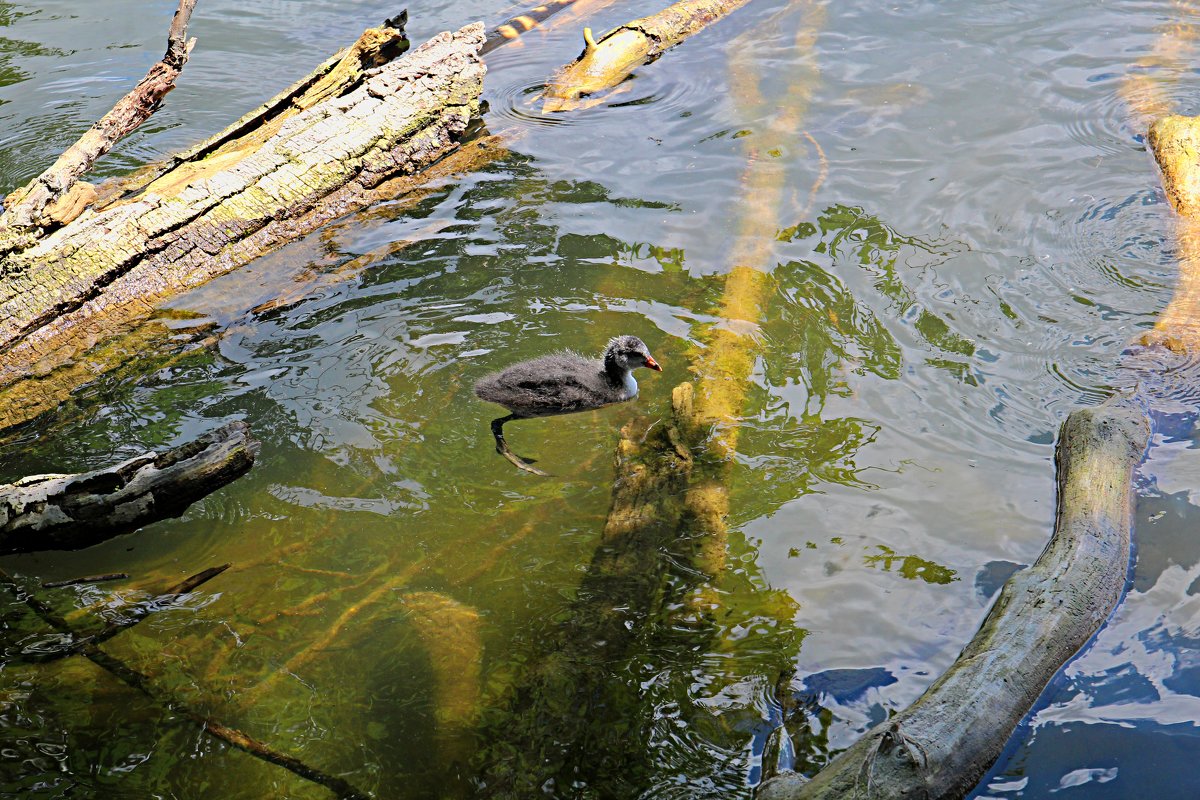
column 652, row 364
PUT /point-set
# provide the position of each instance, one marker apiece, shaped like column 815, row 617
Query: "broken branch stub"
column 941, row 745
column 69, row 512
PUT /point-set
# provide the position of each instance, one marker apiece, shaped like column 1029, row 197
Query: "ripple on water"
column 522, row 104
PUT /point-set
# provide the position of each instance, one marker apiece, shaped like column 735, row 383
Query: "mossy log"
column 942, row 744
column 69, row 512
column 313, row 153
column 606, row 62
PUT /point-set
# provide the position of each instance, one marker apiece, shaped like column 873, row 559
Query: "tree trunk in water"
column 943, row 743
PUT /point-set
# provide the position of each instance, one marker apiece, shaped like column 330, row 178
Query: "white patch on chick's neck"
column 631, row 387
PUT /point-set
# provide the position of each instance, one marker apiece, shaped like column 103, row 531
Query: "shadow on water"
column 656, row 669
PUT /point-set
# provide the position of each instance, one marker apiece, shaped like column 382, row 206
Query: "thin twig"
column 114, row 576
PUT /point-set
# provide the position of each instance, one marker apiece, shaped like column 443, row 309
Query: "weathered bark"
column 281, row 172
column 943, row 743
column 69, row 512
column 605, row 63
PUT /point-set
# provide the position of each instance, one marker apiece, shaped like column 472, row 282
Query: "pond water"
column 963, row 232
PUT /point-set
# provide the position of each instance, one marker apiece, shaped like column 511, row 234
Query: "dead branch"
column 44, row 193
column 69, row 512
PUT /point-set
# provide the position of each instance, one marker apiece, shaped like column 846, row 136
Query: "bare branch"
column 30, row 207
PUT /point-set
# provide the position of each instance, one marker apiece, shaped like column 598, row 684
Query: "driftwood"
column 69, row 512
column 314, row 153
column 943, row 743
column 606, row 62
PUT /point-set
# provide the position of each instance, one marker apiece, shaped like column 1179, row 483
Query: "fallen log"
column 942, row 744
column 606, row 62
column 300, row 160
column 69, row 512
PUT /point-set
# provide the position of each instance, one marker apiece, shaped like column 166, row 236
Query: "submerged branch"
column 112, row 576
column 141, row 682
column 135, row 614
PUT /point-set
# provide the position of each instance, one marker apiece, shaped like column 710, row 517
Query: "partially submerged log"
column 281, row 172
column 943, row 743
column 606, row 62
column 69, row 512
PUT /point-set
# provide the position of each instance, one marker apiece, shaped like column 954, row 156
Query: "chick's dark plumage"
column 558, row 383
column 562, row 383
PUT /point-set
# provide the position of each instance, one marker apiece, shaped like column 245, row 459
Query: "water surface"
column 971, row 231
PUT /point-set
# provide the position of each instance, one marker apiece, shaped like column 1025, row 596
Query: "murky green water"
column 955, row 268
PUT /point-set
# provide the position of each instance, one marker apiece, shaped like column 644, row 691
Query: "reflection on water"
column 406, row 611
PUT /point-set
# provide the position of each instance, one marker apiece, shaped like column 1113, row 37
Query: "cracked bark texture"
column 69, row 512
column 299, row 163
column 941, row 745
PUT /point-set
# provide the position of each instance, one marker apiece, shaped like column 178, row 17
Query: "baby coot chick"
column 563, row 383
